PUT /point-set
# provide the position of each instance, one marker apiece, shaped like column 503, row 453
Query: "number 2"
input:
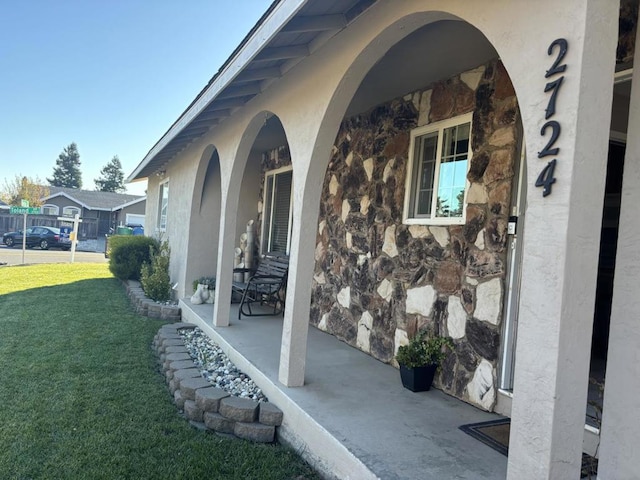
column 555, row 133
column 556, row 67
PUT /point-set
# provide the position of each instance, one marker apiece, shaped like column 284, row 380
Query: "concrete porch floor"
column 352, row 418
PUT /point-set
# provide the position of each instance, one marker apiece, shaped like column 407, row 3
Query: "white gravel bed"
column 216, row 367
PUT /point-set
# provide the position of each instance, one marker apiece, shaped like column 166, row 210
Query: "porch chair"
column 266, row 285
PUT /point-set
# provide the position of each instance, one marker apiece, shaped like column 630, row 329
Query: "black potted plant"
column 420, row 359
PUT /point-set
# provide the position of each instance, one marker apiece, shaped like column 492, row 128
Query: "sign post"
column 24, row 236
column 24, row 209
column 74, row 233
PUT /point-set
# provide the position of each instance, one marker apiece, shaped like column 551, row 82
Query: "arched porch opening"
column 382, row 272
column 204, row 223
column 262, row 163
column 265, row 191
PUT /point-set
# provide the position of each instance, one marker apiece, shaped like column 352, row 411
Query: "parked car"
column 43, row 237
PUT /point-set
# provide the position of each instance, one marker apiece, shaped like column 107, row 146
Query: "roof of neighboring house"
column 280, row 39
column 3, row 205
column 94, row 200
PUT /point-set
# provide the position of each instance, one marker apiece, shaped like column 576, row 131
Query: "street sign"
column 24, row 210
column 24, row 203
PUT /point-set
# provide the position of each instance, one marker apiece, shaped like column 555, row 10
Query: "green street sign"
column 22, row 210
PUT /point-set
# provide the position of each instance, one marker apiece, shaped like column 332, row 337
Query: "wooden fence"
column 88, row 229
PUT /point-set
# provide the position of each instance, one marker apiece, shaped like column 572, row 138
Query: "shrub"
column 424, row 350
column 127, row 254
column 154, row 275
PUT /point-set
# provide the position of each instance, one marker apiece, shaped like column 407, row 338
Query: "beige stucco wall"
column 137, row 209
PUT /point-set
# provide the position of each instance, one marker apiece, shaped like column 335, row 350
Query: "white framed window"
column 50, row 210
column 70, row 211
column 163, row 204
column 436, row 185
column 276, row 214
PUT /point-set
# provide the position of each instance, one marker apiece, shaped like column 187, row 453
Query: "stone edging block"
column 270, row 414
column 239, row 409
column 192, row 411
column 218, row 423
column 208, row 399
column 256, row 432
column 188, row 386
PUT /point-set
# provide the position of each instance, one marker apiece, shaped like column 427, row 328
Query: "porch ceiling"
column 288, row 32
column 432, row 53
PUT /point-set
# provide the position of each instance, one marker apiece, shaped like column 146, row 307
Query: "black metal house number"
column 552, row 127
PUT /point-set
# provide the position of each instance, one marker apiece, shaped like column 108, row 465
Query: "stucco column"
column 620, row 432
column 561, row 245
column 224, row 272
column 293, row 352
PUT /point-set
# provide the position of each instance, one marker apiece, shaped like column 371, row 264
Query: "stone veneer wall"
column 627, row 26
column 378, row 281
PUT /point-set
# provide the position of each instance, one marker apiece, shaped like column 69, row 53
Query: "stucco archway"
column 263, row 147
column 364, row 85
column 204, row 223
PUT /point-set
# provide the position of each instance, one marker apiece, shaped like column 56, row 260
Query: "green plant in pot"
column 420, row 359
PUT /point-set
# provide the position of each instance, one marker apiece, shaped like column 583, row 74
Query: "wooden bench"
column 266, row 285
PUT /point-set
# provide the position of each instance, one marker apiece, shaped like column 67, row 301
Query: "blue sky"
column 111, row 76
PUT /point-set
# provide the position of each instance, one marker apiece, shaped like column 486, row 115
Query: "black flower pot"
column 418, row 379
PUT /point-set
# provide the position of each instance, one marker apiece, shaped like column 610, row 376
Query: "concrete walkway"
column 353, row 418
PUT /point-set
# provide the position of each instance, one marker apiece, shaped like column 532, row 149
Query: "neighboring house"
column 456, row 166
column 4, row 206
column 102, row 210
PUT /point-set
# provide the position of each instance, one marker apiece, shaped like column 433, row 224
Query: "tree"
column 67, row 172
column 111, row 177
column 23, row 188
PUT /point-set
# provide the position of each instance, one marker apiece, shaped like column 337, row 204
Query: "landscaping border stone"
column 146, row 307
column 206, row 406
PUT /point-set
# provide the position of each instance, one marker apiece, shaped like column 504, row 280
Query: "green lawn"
column 81, row 395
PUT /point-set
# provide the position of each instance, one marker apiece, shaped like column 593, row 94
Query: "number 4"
column 546, row 178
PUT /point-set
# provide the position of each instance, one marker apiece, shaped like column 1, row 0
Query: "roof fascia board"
column 281, row 15
column 129, row 203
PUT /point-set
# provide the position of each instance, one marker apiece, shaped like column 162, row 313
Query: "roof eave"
column 63, row 194
column 263, row 33
column 129, row 203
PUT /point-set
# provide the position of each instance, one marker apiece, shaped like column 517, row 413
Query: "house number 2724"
column 552, row 127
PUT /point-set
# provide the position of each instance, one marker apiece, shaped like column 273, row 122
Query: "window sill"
column 431, row 222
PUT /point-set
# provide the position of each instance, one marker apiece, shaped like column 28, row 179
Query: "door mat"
column 495, row 434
